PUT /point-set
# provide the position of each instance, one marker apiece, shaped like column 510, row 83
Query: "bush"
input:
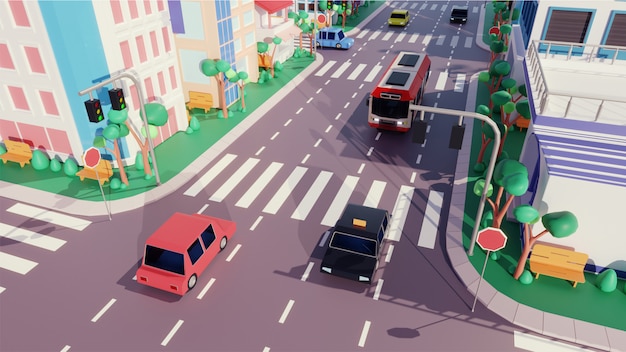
column 70, row 168
column 2, row 150
column 607, row 281
column 40, row 161
column 55, row 165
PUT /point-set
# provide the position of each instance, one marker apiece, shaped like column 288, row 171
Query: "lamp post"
column 492, row 160
column 142, row 110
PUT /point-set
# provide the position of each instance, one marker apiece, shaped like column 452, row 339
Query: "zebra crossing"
column 23, row 266
column 285, row 184
column 440, row 40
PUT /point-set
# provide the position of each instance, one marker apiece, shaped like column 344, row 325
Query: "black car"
column 459, row 14
column 356, row 242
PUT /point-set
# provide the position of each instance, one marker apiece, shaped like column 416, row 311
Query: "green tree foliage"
column 116, row 129
column 607, row 281
column 2, row 150
column 40, row 161
column 301, row 20
column 55, row 165
column 218, row 69
column 70, row 168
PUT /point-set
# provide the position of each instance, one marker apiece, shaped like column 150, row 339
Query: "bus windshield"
column 165, row 260
column 394, row 109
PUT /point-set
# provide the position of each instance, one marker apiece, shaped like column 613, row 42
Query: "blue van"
column 333, row 37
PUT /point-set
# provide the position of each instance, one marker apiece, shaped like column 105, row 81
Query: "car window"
column 398, row 15
column 381, row 231
column 353, row 244
column 331, row 36
column 208, row 236
column 340, row 35
column 195, row 251
column 164, row 260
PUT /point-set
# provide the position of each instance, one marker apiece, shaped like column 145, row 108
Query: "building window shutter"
column 617, row 32
column 568, row 26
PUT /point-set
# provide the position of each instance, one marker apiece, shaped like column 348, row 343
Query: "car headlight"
column 376, row 120
column 364, row 278
column 399, row 123
column 327, row 269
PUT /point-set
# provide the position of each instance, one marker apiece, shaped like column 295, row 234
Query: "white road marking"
column 419, row 159
column 427, row 39
column 340, row 201
column 234, row 180
column 354, row 95
column 203, row 208
column 361, row 86
column 454, row 41
column 400, row 212
column 424, row 144
column 432, row 8
column 204, row 180
column 430, row 225
column 256, row 223
column 318, row 91
column 103, row 310
column 49, row 216
column 283, row 317
column 374, row 35
column 29, row 237
column 266, row 349
column 206, row 288
column 363, row 33
column 468, row 42
column 324, row 239
column 377, row 136
column 307, row 271
column 341, row 70
column 413, row 6
column 389, row 253
column 338, row 116
column 300, row 110
column 326, row 83
column 379, row 287
column 387, row 36
column 346, row 106
column 400, row 37
column 317, row 143
column 259, row 185
column 374, row 194
column 441, row 81
column 311, row 196
column 369, row 152
column 459, row 83
column 475, row 9
column 361, row 168
column 366, row 327
column 169, row 336
column 536, row 343
column 326, row 67
column 258, row 152
column 413, row 38
column 306, row 157
column 135, row 277
column 2, row 289
column 423, row 7
column 16, row 264
column 309, row 100
column 66, row 348
column 428, row 127
column 274, row 136
column 443, row 8
column 285, row 189
column 440, row 40
column 357, row 71
column 373, row 73
column 413, row 175
column 232, row 254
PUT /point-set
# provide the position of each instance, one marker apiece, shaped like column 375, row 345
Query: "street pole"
column 492, row 160
column 142, row 109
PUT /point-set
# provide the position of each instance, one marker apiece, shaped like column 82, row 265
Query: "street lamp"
column 142, row 110
column 492, row 160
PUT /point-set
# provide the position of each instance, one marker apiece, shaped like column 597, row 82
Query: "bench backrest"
column 558, row 256
column 18, row 147
column 199, row 95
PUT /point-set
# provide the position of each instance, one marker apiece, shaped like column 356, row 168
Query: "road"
column 284, row 182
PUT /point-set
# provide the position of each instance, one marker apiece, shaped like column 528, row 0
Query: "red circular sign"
column 91, row 157
column 494, row 30
column 491, row 239
column 321, row 18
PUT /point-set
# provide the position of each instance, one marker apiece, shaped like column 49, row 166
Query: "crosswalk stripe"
column 357, row 71
column 375, row 193
column 432, row 8
column 441, row 39
column 387, row 36
column 413, row 6
column 454, row 41
column 400, row 212
column 423, row 7
column 468, row 42
column 443, row 8
column 16, row 264
column 340, row 201
column 373, row 73
column 29, row 237
column 441, row 81
column 234, row 180
column 259, row 185
column 205, row 179
column 475, row 9
column 400, row 37
column 374, row 35
column 403, row 5
column 341, row 70
column 363, row 33
column 2, row 289
column 285, row 189
column 413, row 38
column 311, row 196
column 459, row 83
column 49, row 216
column 430, row 224
column 427, row 39
column 325, row 68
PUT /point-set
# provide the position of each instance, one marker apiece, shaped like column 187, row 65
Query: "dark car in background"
column 356, row 243
column 458, row 14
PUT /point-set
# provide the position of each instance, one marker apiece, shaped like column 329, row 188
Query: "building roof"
column 272, row 6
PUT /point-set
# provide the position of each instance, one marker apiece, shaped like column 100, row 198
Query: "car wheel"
column 317, row 44
column 338, row 46
column 192, row 281
column 223, row 243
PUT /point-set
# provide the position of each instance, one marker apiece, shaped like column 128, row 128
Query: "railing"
column 592, row 55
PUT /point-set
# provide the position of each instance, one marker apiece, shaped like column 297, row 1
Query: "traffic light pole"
column 492, row 161
column 142, row 110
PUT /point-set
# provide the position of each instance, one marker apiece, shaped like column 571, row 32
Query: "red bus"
column 402, row 84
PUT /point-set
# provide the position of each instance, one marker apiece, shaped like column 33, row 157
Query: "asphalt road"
column 266, row 291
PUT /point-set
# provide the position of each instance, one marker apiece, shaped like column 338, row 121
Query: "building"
column 271, row 17
column 574, row 65
column 51, row 50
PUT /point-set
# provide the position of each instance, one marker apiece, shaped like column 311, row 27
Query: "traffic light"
column 419, row 131
column 94, row 110
column 117, row 99
column 456, row 137
column 330, row 5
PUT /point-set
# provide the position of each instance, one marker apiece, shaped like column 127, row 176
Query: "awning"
column 272, row 6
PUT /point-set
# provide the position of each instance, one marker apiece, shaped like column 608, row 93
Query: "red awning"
column 271, row 6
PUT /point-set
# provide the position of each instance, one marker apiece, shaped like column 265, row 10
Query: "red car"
column 181, row 249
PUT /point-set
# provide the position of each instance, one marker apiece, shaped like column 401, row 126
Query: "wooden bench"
column 199, row 100
column 264, row 61
column 105, row 171
column 522, row 123
column 17, row 152
column 558, row 262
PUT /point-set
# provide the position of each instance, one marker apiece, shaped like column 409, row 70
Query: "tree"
column 486, row 137
column 218, row 69
column 346, row 10
column 265, row 59
column 301, row 20
column 157, row 116
column 241, row 79
column 115, row 130
column 510, row 176
column 558, row 224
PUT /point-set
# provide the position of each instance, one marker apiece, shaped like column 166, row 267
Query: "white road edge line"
column 307, row 271
column 232, row 254
column 389, row 252
column 379, row 287
column 535, row 343
column 283, row 317
column 206, row 288
column 103, row 310
column 203, row 208
column 171, row 333
column 366, row 329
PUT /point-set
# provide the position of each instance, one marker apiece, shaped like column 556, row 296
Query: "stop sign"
column 321, row 18
column 494, row 30
column 91, row 157
column 491, row 239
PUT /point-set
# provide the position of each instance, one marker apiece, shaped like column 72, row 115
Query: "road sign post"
column 91, row 159
column 490, row 239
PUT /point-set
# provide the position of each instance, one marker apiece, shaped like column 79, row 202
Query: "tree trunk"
column 272, row 60
column 243, row 101
column 528, row 246
column 118, row 157
column 143, row 146
column 483, row 148
column 221, row 86
column 498, row 218
column 343, row 20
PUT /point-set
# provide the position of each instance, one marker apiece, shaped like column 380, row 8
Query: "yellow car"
column 399, row 18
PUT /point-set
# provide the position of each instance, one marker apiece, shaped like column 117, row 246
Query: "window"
column 323, row 35
column 19, row 98
column 147, row 7
column 161, row 78
column 164, row 260
column 617, row 32
column 233, row 4
column 160, row 6
column 166, row 39
column 132, row 7
column 155, row 44
column 192, row 17
column 149, row 89
column 237, row 45
column 116, row 8
column 195, row 251
column 189, row 60
column 19, row 13
column 134, row 97
column 245, row 1
column 5, row 57
column 331, row 36
column 126, row 56
column 141, row 48
column 527, row 19
column 48, row 102
column 353, row 244
column 568, row 26
column 173, row 80
column 235, row 23
column 249, row 39
column 247, row 18
column 381, row 231
column 242, row 64
column 208, row 236
column 34, row 59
